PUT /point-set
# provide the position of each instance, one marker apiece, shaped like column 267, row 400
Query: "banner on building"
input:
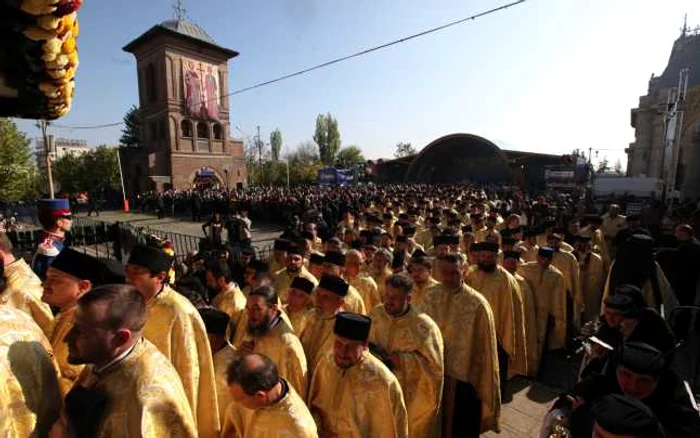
column 202, row 89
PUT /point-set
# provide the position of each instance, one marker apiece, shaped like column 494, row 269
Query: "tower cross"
column 180, row 12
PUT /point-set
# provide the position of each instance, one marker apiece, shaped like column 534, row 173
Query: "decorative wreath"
column 38, row 57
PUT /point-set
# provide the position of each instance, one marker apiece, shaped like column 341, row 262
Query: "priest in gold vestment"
column 503, row 294
column 353, row 394
column 592, row 277
column 410, row 343
column 23, row 287
column 229, row 297
column 512, row 262
column 282, row 280
column 71, row 275
column 317, row 338
column 380, row 268
column 365, row 285
column 141, row 392
column 216, row 323
column 550, row 289
column 268, row 332
column 265, row 404
column 566, row 262
column 334, row 264
column 420, row 268
column 471, row 354
column 174, row 326
column 30, row 398
column 300, row 304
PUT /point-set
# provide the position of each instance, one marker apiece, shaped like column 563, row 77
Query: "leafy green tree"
column 618, row 167
column 18, row 175
column 304, row 163
column 327, row 137
column 404, row 150
column 94, row 170
column 603, row 166
column 131, row 132
column 276, row 144
column 349, row 156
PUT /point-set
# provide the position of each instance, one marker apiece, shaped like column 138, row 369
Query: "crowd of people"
column 384, row 311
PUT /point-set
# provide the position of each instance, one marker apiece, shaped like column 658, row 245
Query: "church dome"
column 186, row 28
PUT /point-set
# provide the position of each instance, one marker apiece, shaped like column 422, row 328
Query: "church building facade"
column 183, row 112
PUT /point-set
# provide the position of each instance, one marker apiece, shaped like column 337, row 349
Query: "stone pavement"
column 261, row 233
column 521, row 417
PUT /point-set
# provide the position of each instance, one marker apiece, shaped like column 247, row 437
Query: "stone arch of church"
column 192, row 178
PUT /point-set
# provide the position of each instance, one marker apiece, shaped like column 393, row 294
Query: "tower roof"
column 685, row 54
column 180, row 28
column 188, row 29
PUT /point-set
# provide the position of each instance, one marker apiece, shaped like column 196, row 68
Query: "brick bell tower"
column 183, row 111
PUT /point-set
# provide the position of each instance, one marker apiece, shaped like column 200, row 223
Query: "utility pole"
column 43, row 125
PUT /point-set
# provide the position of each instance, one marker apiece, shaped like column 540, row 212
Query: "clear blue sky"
column 546, row 75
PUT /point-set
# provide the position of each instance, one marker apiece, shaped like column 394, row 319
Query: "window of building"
column 151, row 86
column 217, row 132
column 186, row 127
column 202, row 130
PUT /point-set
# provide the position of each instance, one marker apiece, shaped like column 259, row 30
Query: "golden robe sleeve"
column 24, row 291
column 531, row 332
column 146, row 399
column 289, row 417
column 193, row 360
column 417, row 342
column 30, row 399
column 68, row 372
column 519, row 362
column 592, row 278
column 362, row 401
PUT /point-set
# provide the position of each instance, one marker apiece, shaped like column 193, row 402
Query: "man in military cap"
column 56, row 219
column 352, row 394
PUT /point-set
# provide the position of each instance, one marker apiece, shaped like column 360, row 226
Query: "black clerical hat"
column 316, row 258
column 511, row 255
column 352, row 326
column 618, row 301
column 152, row 258
column 489, row 247
column 79, row 265
column 281, row 245
column 334, row 284
column 111, row 271
column 303, row 284
column 508, row 241
column 546, row 251
column 215, row 321
column 642, row 358
column 530, row 232
column 467, row 229
column 295, row 249
column 623, row 415
column 440, row 240
column 335, row 258
column 259, row 266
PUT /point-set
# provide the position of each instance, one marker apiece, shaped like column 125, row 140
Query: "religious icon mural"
column 201, row 83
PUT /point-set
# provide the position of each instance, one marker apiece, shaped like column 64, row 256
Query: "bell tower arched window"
column 186, row 128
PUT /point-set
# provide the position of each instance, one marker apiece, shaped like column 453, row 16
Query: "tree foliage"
column 404, row 150
column 93, row 171
column 276, row 144
column 304, row 163
column 18, row 175
column 131, row 132
column 617, row 168
column 603, row 166
column 349, row 156
column 327, row 137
